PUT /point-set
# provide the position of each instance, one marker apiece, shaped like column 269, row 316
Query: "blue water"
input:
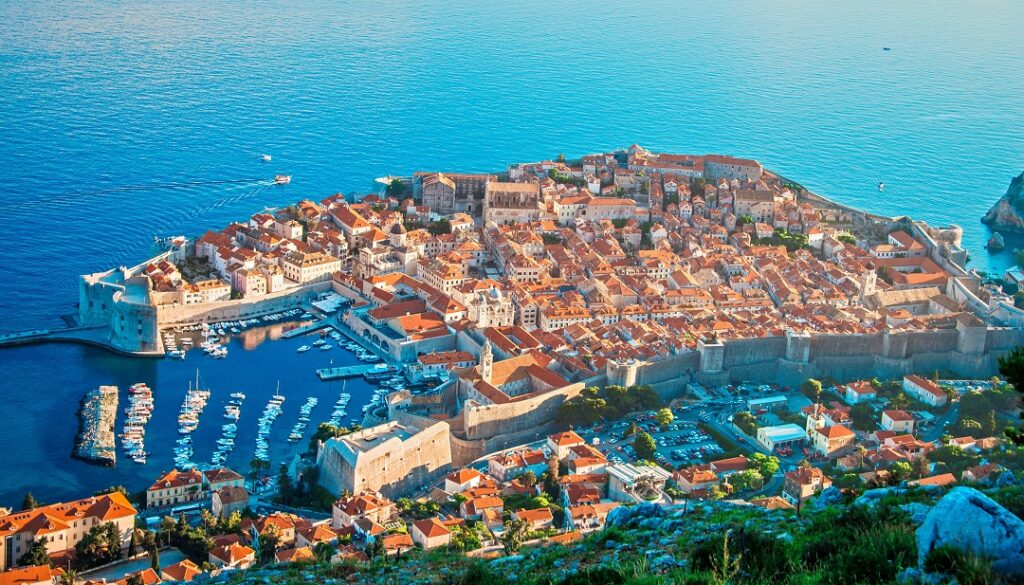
column 103, row 103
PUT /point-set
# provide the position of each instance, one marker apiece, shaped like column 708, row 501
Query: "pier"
column 328, row 374
column 96, row 441
column 317, row 326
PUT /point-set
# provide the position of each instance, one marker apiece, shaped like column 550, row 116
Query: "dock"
column 304, row 330
column 328, row 374
column 96, row 441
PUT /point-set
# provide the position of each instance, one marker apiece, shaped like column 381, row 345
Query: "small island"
column 96, row 441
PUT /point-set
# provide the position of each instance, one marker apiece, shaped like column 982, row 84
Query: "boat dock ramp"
column 327, row 374
column 317, row 326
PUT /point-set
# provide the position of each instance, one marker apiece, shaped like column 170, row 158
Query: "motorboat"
column 304, row 349
column 282, row 179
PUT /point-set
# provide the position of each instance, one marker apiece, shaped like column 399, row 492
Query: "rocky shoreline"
column 96, row 441
column 1008, row 213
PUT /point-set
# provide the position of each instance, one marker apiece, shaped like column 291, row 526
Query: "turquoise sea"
column 120, row 121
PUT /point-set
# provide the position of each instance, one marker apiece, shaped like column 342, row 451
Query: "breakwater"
column 96, row 441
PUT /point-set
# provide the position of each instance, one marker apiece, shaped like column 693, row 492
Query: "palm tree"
column 69, row 577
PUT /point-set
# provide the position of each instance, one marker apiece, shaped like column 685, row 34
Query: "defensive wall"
column 967, row 350
column 123, row 304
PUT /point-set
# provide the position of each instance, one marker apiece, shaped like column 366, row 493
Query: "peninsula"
column 632, row 363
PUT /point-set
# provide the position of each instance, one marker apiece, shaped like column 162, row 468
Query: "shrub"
column 969, row 569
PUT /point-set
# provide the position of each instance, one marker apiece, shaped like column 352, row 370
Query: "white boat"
column 282, row 179
column 326, row 346
column 304, row 348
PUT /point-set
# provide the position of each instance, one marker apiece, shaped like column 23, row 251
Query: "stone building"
column 391, row 458
column 506, row 203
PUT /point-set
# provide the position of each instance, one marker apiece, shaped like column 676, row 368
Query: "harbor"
column 257, row 356
column 96, row 441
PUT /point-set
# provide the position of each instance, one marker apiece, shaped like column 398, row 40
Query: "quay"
column 304, row 330
column 328, row 374
column 96, row 441
column 96, row 336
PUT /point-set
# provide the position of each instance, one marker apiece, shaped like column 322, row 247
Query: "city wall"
column 486, row 421
column 966, row 351
column 121, row 303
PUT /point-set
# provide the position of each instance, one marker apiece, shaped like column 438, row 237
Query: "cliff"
column 910, row 536
column 1008, row 213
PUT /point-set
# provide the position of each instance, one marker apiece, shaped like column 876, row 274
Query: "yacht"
column 282, row 179
column 304, row 348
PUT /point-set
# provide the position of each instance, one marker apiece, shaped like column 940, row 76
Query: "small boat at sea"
column 304, row 349
column 266, row 158
column 326, row 346
column 282, row 179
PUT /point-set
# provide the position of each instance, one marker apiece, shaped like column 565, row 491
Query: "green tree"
column 154, row 560
column 513, row 536
column 921, row 468
column 256, row 466
column 551, row 484
column 69, row 577
column 134, row 579
column 35, row 555
column 528, row 479
column 812, row 389
column 746, row 480
column 645, row 446
column 664, row 417
column 323, row 552
column 900, row 401
column 745, row 422
column 766, row 465
column 29, row 502
column 269, row 539
column 863, row 417
column 100, row 545
column 901, row 470
column 396, row 187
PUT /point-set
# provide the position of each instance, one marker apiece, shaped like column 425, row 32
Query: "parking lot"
column 681, row 443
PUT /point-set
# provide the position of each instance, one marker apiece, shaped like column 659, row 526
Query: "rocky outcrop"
column 970, row 521
column 96, row 441
column 1008, row 213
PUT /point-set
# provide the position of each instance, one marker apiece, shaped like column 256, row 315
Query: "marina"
column 188, row 421
column 339, row 413
column 229, row 430
column 299, row 430
column 137, row 415
column 270, row 414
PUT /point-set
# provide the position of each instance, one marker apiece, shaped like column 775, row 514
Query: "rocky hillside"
column 888, row 535
column 1008, row 212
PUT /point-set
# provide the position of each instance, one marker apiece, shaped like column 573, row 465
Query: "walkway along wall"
column 966, row 350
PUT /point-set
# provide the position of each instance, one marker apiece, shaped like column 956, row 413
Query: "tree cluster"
column 596, row 404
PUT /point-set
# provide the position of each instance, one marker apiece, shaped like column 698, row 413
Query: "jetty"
column 327, row 374
column 317, row 326
column 96, row 441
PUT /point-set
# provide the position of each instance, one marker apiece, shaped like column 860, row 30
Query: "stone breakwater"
column 96, row 441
